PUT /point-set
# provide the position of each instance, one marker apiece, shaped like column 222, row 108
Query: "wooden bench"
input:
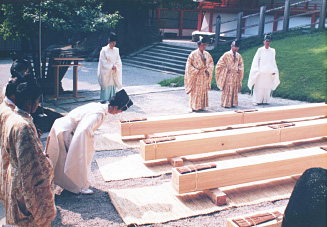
column 75, row 73
column 249, row 169
column 208, row 120
column 231, row 139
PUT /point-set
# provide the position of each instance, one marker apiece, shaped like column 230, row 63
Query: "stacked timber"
column 232, row 139
column 250, row 169
column 147, row 126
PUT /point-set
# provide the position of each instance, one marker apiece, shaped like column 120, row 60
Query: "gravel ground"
column 149, row 100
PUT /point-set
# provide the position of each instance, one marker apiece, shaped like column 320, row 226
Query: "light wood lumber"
column 273, row 223
column 208, row 120
column 176, row 162
column 232, row 139
column 217, row 196
column 250, row 169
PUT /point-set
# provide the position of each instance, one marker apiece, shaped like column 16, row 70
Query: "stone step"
column 172, row 49
column 159, row 63
column 179, row 47
column 169, row 52
column 162, row 55
column 159, row 60
column 153, row 66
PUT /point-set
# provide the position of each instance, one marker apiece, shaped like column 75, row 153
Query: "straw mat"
column 133, row 166
column 158, row 204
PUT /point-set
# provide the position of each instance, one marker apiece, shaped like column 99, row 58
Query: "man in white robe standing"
column 264, row 74
column 70, row 143
column 109, row 69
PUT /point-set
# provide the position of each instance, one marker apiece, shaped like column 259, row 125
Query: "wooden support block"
column 250, row 169
column 176, row 162
column 209, row 120
column 231, row 139
column 218, row 197
column 255, row 217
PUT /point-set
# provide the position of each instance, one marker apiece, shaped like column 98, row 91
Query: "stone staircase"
column 160, row 56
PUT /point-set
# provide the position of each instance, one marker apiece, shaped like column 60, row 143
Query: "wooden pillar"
column 217, row 35
column 200, row 20
column 313, row 20
column 275, row 24
column 286, row 21
column 322, row 17
column 210, row 21
column 56, row 83
column 180, row 31
column 75, row 78
column 262, row 21
column 239, row 25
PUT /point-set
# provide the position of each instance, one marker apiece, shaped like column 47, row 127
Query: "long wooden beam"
column 231, row 139
column 250, row 169
column 207, row 120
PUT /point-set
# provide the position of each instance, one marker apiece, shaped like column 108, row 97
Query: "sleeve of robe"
column 276, row 81
column 36, row 177
column 190, row 74
column 254, row 70
column 240, row 72
column 104, row 68
column 210, row 68
column 221, row 72
column 119, row 71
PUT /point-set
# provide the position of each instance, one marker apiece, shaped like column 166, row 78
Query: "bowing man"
column 70, row 144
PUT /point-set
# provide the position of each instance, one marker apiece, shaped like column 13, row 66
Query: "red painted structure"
column 234, row 6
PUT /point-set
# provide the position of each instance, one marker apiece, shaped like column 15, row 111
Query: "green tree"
column 62, row 19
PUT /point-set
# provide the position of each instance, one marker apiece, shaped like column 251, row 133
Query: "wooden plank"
column 250, row 169
column 272, row 223
column 232, row 139
column 218, row 197
column 176, row 162
column 180, row 122
column 207, row 120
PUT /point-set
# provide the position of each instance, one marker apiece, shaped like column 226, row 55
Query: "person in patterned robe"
column 198, row 76
column 29, row 188
column 229, row 75
column 6, row 109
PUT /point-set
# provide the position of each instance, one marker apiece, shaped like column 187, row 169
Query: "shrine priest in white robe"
column 70, row 144
column 264, row 74
column 109, row 69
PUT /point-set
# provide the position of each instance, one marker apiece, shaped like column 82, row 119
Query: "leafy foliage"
column 71, row 18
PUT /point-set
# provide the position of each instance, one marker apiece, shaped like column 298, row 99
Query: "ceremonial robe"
column 6, row 108
column 229, row 76
column 29, row 189
column 197, row 82
column 264, row 75
column 70, row 145
column 108, row 78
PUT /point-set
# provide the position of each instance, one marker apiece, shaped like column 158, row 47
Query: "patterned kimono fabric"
column 6, row 108
column 109, row 79
column 229, row 76
column 29, row 187
column 197, row 82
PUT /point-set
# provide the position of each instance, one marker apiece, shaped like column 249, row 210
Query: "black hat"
column 121, row 99
column 112, row 37
column 267, row 36
column 203, row 39
column 236, row 43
